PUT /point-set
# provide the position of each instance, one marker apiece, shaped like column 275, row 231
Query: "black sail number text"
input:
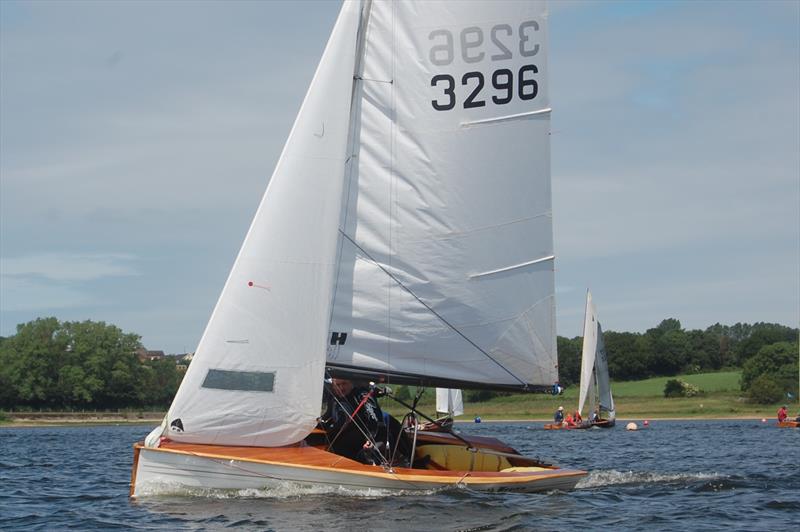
column 503, row 89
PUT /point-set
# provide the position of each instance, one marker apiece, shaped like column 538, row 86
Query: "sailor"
column 782, row 414
column 559, row 415
column 577, row 417
column 595, row 417
column 355, row 425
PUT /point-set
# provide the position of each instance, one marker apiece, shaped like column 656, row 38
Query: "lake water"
column 674, row 475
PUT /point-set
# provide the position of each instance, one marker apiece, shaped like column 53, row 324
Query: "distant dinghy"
column 595, row 381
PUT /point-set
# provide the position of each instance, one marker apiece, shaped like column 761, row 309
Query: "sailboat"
column 449, row 404
column 405, row 237
column 595, row 382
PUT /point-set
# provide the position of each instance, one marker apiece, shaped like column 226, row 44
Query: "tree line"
column 767, row 354
column 93, row 365
column 74, row 365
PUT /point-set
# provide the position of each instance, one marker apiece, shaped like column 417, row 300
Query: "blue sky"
column 136, row 140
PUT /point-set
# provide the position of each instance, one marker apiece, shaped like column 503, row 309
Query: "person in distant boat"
column 558, row 417
column 782, row 414
column 355, row 425
column 569, row 420
column 595, row 417
column 577, row 417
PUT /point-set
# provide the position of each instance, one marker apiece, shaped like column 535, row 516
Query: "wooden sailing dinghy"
column 595, row 381
column 404, row 237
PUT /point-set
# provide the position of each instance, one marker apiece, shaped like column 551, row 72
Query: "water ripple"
column 674, row 475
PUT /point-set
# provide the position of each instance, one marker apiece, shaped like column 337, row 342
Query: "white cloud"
column 68, row 266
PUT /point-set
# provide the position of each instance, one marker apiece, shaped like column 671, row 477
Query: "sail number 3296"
column 506, row 83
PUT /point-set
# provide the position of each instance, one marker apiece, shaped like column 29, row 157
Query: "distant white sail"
column 595, row 382
column 606, row 401
column 256, row 378
column 589, row 351
column 449, row 401
column 446, row 260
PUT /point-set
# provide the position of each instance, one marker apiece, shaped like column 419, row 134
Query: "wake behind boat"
column 404, row 237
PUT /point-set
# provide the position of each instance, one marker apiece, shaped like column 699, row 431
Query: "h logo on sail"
column 338, row 338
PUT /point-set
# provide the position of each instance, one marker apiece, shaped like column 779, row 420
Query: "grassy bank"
column 634, row 399
column 39, row 419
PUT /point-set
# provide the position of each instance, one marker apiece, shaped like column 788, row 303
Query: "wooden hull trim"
column 165, row 469
column 789, row 424
column 603, row 424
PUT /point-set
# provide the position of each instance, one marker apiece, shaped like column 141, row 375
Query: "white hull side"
column 159, row 472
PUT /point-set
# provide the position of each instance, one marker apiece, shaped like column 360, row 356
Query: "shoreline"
column 79, row 422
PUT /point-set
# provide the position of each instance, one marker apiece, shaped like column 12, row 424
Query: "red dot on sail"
column 250, row 283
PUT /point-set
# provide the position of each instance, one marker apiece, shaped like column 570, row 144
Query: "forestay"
column 256, row 378
column 445, row 270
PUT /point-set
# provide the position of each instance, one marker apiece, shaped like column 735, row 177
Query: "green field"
column 634, row 400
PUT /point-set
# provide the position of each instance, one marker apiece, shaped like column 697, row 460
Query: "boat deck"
column 307, row 456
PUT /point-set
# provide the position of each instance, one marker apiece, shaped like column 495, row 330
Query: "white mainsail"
column 449, row 401
column 606, row 401
column 446, row 261
column 256, row 378
column 595, row 383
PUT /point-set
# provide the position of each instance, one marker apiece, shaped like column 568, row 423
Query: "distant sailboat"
column 405, row 237
column 595, row 383
column 449, row 402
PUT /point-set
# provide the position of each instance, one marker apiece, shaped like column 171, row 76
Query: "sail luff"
column 352, row 136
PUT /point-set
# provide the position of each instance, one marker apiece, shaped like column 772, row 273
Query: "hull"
column 171, row 466
column 789, row 424
column 564, row 426
column 603, row 424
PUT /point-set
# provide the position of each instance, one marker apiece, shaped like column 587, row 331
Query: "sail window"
column 243, row 381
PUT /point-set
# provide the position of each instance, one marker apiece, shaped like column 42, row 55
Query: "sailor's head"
column 341, row 387
column 560, row 408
